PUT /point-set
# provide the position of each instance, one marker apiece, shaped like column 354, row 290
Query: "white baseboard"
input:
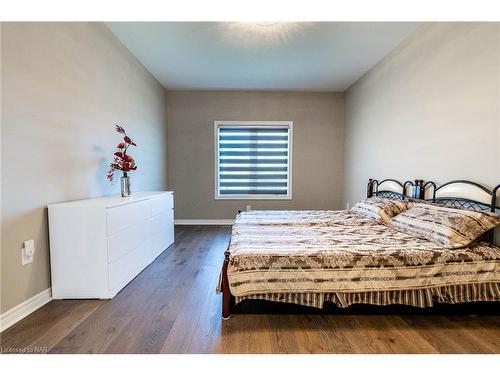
column 204, row 222
column 22, row 310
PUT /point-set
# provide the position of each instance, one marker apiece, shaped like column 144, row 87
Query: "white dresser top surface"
column 112, row 200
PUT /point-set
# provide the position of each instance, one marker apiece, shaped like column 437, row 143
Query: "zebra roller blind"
column 253, row 160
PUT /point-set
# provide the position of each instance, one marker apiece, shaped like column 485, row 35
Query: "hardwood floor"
column 171, row 307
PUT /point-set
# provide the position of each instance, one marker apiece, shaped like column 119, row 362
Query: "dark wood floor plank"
column 309, row 340
column 283, row 333
column 331, row 339
column 66, row 325
column 40, row 323
column 186, row 328
column 453, row 336
column 205, row 336
column 354, row 332
column 171, row 307
column 390, row 334
column 143, row 335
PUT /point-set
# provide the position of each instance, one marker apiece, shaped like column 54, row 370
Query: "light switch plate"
column 249, row 208
column 27, row 252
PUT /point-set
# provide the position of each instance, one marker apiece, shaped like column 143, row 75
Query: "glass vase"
column 125, row 185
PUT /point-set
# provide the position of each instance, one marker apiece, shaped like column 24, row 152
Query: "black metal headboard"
column 456, row 194
column 463, row 194
column 394, row 189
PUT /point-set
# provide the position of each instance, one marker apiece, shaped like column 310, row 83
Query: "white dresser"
column 97, row 246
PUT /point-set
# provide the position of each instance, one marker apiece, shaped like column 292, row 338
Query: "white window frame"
column 253, row 124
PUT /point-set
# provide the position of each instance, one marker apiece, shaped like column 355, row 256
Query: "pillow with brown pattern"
column 380, row 209
column 450, row 227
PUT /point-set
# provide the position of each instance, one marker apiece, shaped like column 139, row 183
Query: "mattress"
column 308, row 257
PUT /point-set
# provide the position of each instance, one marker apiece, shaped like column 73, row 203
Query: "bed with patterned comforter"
column 309, row 257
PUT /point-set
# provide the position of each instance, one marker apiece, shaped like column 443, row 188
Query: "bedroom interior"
column 250, row 187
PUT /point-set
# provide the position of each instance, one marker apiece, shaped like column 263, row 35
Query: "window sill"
column 254, row 198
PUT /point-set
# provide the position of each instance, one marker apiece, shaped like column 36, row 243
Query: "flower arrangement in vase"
column 123, row 162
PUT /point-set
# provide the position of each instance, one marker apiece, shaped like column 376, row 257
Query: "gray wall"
column 430, row 109
column 318, row 137
column 64, row 86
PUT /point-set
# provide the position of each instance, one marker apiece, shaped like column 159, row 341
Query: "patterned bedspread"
column 283, row 252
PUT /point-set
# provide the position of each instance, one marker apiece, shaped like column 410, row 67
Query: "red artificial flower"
column 119, row 129
column 122, row 161
column 124, row 157
column 129, row 141
column 111, row 172
column 128, row 167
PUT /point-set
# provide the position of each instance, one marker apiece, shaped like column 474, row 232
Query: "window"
column 253, row 159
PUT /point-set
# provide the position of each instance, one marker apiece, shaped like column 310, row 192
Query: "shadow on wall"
column 104, row 187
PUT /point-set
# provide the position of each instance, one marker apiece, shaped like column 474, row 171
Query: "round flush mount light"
column 259, row 34
column 266, row 23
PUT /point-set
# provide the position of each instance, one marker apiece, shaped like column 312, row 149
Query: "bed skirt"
column 485, row 292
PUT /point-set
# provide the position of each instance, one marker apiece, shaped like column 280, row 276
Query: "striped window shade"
column 253, row 160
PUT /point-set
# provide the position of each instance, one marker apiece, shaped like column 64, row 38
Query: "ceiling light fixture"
column 261, row 34
column 266, row 23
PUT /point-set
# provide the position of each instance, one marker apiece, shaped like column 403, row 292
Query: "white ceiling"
column 258, row 56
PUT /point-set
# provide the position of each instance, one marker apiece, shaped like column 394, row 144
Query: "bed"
column 311, row 257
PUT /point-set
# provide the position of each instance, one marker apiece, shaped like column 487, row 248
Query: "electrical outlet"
column 347, row 205
column 27, row 252
column 249, row 208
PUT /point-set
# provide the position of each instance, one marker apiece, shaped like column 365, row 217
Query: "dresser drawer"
column 129, row 266
column 161, row 204
column 162, row 222
column 121, row 217
column 127, row 240
column 162, row 240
